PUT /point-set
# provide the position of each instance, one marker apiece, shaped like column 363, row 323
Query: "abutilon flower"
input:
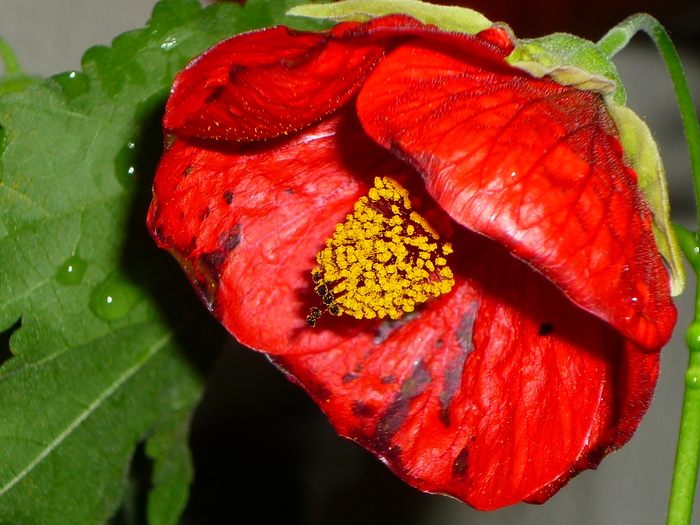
column 449, row 252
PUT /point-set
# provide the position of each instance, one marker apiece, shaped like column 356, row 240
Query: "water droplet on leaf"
column 114, row 297
column 169, row 43
column 73, row 83
column 125, row 166
column 71, row 272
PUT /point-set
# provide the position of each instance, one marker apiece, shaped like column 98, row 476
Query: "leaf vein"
column 86, row 413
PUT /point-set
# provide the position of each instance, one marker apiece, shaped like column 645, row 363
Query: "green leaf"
column 173, row 473
column 107, row 333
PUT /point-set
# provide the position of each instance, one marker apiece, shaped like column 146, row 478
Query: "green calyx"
column 447, row 18
column 570, row 61
column 643, row 154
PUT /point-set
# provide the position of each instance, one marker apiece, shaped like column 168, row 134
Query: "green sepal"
column 643, row 154
column 570, row 61
column 447, row 18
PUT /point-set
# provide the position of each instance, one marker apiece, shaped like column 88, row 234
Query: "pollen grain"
column 382, row 261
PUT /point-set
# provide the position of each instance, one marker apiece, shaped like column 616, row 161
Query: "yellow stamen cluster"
column 383, row 260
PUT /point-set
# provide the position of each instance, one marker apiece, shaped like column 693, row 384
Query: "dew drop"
column 71, row 272
column 692, row 380
column 169, row 43
column 73, row 83
column 124, row 166
column 114, row 297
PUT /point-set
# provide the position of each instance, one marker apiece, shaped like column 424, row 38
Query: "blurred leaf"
column 13, row 78
column 107, row 337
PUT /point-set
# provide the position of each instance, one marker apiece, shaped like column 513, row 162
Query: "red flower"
column 544, row 355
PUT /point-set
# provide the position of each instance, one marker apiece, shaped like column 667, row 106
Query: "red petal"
column 266, row 83
column 246, row 222
column 497, row 393
column 532, row 164
column 262, row 84
column 631, row 389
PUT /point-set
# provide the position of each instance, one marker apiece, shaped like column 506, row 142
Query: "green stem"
column 685, row 474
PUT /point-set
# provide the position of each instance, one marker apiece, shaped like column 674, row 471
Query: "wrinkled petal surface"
column 266, row 83
column 534, row 165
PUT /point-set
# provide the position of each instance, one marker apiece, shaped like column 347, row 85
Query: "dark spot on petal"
column 417, row 382
column 207, row 278
column 215, row 94
column 289, row 191
column 213, row 261
column 439, row 343
column 160, row 235
column 465, row 329
column 363, row 410
column 453, row 373
column 461, row 463
column 358, row 368
column 349, row 377
column 233, row 71
column 397, row 412
column 318, row 392
column 188, row 170
column 232, row 239
column 387, row 380
column 191, row 246
column 204, row 214
column 444, row 414
column 545, row 328
column 228, row 197
column 389, row 326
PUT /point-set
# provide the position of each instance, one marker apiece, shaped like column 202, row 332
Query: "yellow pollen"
column 382, row 261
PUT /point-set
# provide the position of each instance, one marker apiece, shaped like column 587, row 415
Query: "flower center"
column 382, row 261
